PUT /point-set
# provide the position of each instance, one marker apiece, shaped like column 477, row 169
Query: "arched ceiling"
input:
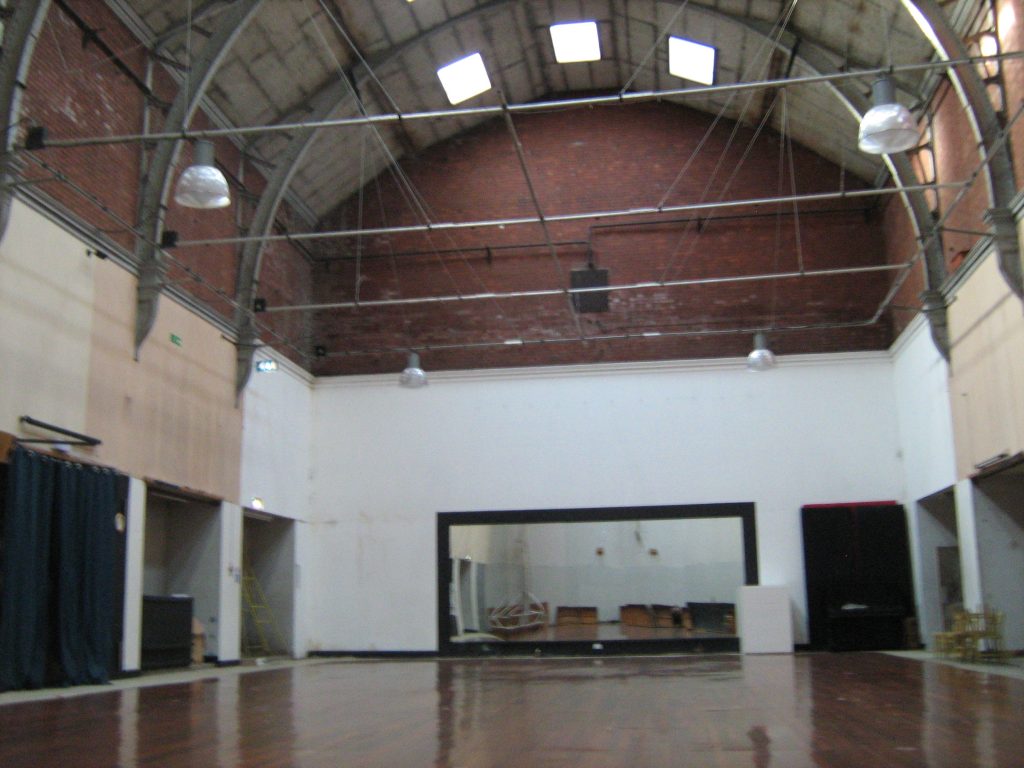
column 292, row 52
column 286, row 62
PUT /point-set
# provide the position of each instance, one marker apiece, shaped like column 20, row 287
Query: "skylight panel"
column 465, row 78
column 691, row 61
column 575, row 41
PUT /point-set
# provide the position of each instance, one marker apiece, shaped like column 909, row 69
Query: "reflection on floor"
column 611, row 630
column 1012, row 666
column 777, row 711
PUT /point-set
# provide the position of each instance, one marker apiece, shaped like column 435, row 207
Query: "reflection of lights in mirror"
column 614, row 581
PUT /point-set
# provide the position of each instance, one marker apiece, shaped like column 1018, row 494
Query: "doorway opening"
column 268, row 584
column 939, row 542
column 181, row 578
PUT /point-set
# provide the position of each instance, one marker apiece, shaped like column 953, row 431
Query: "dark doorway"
column 857, row 570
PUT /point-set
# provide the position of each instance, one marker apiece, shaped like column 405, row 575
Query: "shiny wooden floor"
column 604, row 631
column 836, row 710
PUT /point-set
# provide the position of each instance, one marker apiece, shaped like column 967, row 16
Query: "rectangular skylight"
column 575, row 41
column 690, row 60
column 465, row 78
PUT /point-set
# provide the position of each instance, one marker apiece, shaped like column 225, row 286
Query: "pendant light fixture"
column 202, row 185
column 888, row 126
column 760, row 358
column 413, row 377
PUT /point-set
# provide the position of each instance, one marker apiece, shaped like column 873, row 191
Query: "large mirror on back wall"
column 600, row 580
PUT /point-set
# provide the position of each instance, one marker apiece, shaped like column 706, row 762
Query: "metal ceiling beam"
column 21, row 30
column 649, row 210
column 455, row 298
column 153, row 198
column 814, row 54
column 198, row 14
column 935, row 25
column 817, row 57
column 637, row 97
column 325, row 102
column 547, row 341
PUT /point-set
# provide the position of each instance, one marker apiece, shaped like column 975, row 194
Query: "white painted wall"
column 276, row 449
column 386, row 460
column 999, row 514
column 276, row 428
column 933, row 524
column 921, row 379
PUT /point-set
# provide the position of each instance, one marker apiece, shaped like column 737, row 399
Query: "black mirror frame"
column 445, row 520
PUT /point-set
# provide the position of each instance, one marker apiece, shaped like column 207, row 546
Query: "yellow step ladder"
column 259, row 619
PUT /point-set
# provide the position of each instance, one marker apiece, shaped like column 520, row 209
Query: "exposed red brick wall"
column 1010, row 26
column 592, row 160
column 75, row 90
column 956, row 158
column 901, row 245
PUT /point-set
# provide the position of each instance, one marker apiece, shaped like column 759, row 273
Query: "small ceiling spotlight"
column 888, row 126
column 761, row 358
column 202, row 185
column 413, row 377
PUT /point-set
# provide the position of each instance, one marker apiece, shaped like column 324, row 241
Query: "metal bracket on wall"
column 1004, row 232
column 77, row 438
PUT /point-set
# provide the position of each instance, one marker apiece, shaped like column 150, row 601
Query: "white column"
column 135, row 553
column 230, row 603
column 967, row 534
column 304, row 552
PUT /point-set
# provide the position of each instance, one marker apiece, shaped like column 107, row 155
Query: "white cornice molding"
column 723, row 364
column 918, row 325
column 284, row 365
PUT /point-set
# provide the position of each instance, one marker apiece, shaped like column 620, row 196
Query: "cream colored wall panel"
column 46, row 283
column 170, row 415
column 987, row 366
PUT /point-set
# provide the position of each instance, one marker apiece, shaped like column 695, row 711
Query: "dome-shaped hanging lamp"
column 413, row 377
column 202, row 185
column 760, row 358
column 888, row 126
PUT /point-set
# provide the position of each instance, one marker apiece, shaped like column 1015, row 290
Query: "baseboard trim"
column 374, row 654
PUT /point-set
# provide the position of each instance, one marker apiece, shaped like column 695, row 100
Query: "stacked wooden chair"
column 974, row 636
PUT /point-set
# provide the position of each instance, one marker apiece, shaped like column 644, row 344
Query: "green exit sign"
column 175, row 339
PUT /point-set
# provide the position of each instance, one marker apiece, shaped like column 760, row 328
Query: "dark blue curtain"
column 57, row 597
